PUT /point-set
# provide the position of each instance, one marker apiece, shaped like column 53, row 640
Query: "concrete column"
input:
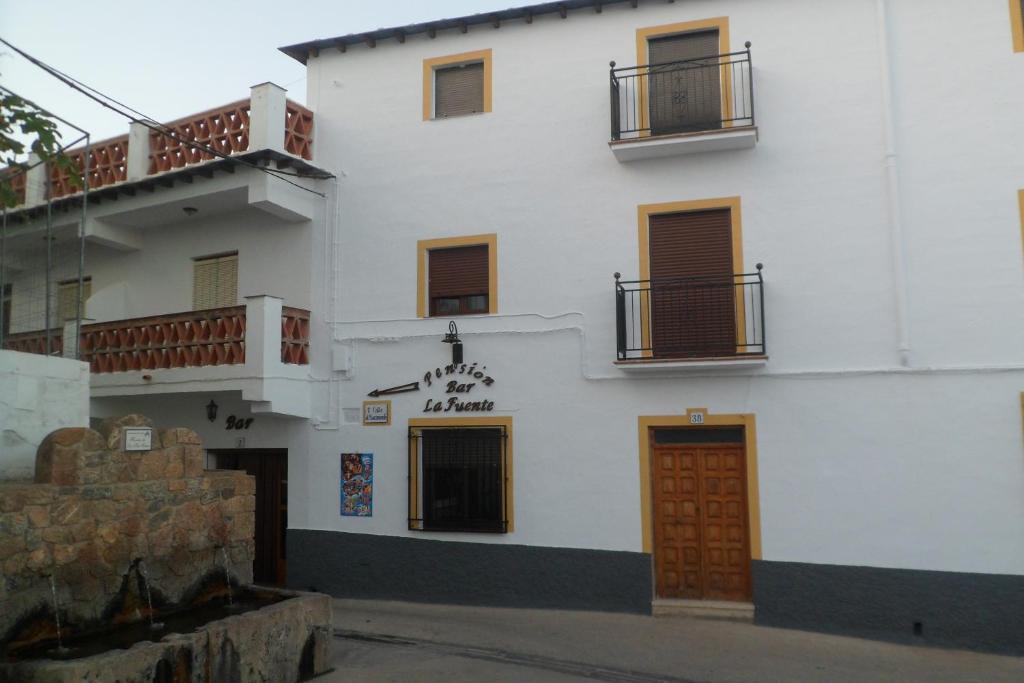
column 266, row 117
column 35, row 182
column 138, row 151
column 263, row 334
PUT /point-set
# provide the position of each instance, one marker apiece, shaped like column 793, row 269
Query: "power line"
column 104, row 100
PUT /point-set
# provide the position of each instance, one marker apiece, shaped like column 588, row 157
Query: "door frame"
column 278, row 452
column 698, row 417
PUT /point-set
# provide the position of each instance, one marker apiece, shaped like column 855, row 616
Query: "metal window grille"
column 458, row 479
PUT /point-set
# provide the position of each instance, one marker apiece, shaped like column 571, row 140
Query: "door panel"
column 685, row 97
column 701, row 545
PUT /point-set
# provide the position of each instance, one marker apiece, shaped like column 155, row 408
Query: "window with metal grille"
column 459, row 280
column 67, row 296
column 458, row 478
column 215, row 281
column 458, row 90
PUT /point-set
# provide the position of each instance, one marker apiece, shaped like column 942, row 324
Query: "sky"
column 169, row 60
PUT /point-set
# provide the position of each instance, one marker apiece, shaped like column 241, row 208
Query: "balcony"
column 258, row 348
column 684, row 107
column 690, row 323
column 266, row 127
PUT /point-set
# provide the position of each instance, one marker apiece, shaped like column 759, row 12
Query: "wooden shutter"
column 692, row 294
column 685, row 97
column 459, row 271
column 459, row 90
column 6, row 309
column 215, row 282
column 67, row 294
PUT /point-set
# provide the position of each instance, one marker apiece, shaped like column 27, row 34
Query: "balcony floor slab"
column 635, row 149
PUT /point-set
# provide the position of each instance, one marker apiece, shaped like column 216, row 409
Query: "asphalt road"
column 391, row 641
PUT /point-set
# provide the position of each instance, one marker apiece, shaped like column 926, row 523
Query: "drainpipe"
column 895, row 206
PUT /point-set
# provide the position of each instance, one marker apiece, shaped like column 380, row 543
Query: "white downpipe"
column 895, row 205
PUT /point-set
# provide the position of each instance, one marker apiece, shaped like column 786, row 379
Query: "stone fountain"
column 119, row 565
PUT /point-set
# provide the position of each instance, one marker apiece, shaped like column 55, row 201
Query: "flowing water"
column 153, row 625
column 61, row 650
column 227, row 574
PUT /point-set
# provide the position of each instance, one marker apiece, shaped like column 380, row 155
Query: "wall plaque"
column 376, row 412
column 138, row 438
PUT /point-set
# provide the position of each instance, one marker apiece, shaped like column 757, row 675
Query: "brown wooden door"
column 693, row 302
column 701, row 538
column 270, row 468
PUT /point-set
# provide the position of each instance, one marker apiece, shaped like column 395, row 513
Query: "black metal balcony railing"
column 689, row 96
column 694, row 317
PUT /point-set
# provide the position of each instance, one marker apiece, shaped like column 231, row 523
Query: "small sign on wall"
column 357, row 484
column 376, row 412
column 138, row 438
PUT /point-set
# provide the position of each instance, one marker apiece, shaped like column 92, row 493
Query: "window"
column 457, row 276
column 215, row 281
column 458, row 478
column 1017, row 24
column 67, row 295
column 456, row 85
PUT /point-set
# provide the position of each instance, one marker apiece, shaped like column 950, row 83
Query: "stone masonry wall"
column 95, row 509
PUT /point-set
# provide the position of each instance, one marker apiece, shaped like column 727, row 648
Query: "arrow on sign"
column 400, row 389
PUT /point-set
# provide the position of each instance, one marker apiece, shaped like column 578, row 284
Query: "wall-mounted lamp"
column 190, row 210
column 453, row 338
column 211, row 411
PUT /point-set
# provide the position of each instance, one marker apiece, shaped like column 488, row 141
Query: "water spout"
column 227, row 574
column 153, row 625
column 56, row 615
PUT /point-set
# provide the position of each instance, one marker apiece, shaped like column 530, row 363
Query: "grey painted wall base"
column 421, row 570
column 977, row 611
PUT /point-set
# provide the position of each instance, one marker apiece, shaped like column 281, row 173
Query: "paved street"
column 391, row 641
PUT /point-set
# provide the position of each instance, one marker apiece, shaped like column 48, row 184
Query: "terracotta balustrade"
column 225, row 129
column 35, row 342
column 179, row 340
column 108, row 164
column 294, row 336
column 298, row 130
column 17, row 179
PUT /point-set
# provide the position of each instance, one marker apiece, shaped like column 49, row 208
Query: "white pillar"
column 138, row 151
column 263, row 334
column 35, row 182
column 266, row 117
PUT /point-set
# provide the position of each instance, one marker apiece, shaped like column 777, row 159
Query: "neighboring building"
column 643, row 414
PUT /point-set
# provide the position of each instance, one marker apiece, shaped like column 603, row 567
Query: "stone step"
column 704, row 609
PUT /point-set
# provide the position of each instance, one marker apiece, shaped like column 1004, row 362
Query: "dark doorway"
column 270, row 467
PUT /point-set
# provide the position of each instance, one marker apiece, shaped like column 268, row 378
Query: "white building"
column 833, row 441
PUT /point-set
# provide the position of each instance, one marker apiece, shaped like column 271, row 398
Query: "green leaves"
column 19, row 116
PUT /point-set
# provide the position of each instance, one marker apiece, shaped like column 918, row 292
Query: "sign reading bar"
column 376, row 412
column 138, row 438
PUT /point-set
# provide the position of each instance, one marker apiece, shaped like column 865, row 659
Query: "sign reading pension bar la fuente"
column 458, row 382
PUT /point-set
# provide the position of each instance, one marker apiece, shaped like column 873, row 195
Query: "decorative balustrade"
column 35, row 342
column 298, row 130
column 108, row 164
column 294, row 336
column 180, row 340
column 225, row 129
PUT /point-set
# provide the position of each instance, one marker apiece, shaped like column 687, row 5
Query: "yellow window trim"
column 747, row 420
column 643, row 35
column 496, row 421
column 430, row 65
column 643, row 221
column 423, row 246
column 1017, row 26
column 1020, row 200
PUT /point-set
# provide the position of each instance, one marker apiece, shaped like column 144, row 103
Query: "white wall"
column 38, row 394
column 861, row 461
